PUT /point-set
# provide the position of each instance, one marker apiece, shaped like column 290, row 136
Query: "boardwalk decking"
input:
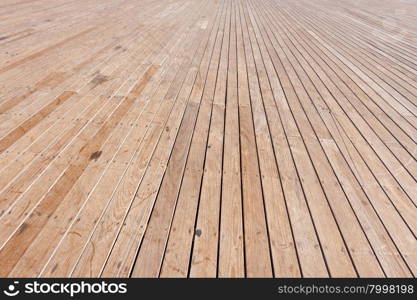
column 195, row 138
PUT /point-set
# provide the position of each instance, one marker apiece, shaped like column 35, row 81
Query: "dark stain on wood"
column 198, row 232
column 95, row 155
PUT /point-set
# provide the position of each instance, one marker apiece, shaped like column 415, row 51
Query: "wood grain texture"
column 191, row 138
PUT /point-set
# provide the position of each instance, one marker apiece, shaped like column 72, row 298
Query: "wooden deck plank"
column 155, row 238
column 256, row 231
column 315, row 196
column 231, row 249
column 229, row 138
column 150, row 129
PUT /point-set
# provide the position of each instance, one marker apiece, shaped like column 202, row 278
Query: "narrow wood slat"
column 227, row 138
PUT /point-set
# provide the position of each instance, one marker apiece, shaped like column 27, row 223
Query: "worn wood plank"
column 192, row 138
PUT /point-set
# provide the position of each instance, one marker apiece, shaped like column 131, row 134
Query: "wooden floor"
column 195, row 138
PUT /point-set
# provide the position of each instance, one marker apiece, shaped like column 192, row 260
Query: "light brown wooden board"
column 226, row 138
